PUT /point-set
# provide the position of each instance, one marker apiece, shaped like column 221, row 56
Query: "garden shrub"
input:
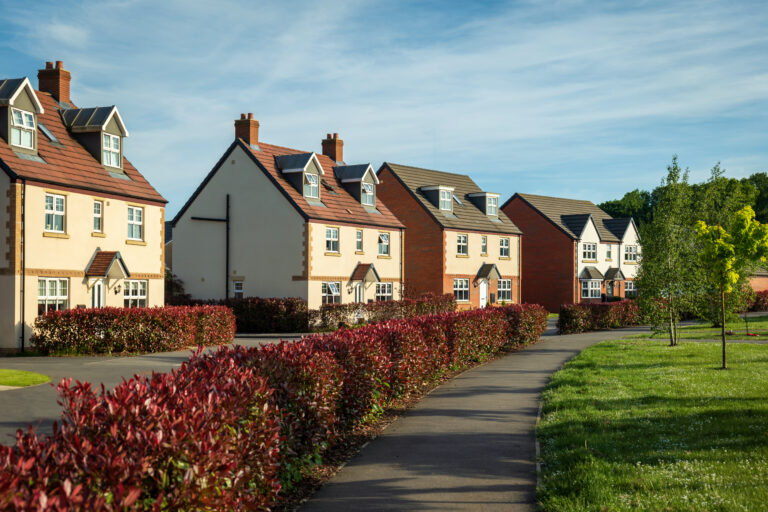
column 527, row 322
column 576, row 318
column 760, row 301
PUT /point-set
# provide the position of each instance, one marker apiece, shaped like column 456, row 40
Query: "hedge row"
column 575, row 318
column 760, row 302
column 116, row 330
column 229, row 429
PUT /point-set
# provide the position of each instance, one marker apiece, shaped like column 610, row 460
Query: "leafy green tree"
column 760, row 181
column 719, row 198
column 636, row 204
column 728, row 254
column 669, row 277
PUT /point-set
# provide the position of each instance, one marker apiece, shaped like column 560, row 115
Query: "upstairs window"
column 110, row 150
column 630, row 253
column 589, row 252
column 359, row 240
column 367, row 196
column 54, row 213
column 483, row 244
column 237, row 289
column 22, row 129
column 311, row 188
column 135, row 223
column 609, row 252
column 384, row 244
column 98, row 216
column 504, row 247
column 331, row 239
column 462, row 245
column 445, row 200
column 492, row 205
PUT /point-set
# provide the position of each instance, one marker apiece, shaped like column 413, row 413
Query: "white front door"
column 97, row 294
column 483, row 293
column 359, row 292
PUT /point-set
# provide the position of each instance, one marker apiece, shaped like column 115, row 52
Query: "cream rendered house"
column 82, row 227
column 270, row 221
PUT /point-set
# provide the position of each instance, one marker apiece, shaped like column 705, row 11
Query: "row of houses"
column 83, row 228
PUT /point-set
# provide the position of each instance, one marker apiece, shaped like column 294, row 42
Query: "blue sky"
column 576, row 99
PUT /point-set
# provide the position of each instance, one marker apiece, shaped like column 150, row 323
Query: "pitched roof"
column 591, row 273
column 352, row 173
column 69, row 164
column 572, row 215
column 465, row 214
column 488, row 271
column 363, row 271
column 11, row 87
column 103, row 261
column 614, row 274
column 91, row 119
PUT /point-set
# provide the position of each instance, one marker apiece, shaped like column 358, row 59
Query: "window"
column 445, row 200
column 384, row 244
column 52, row 294
column 54, row 213
column 110, row 150
column 492, row 205
column 505, row 289
column 609, row 252
column 98, row 208
column 483, row 244
column 237, row 289
column 134, row 294
column 331, row 293
column 590, row 289
column 589, row 251
column 367, row 196
column 461, row 290
column 359, row 240
column 504, row 248
column 462, row 245
column 331, row 239
column 22, row 129
column 135, row 221
column 383, row 291
column 630, row 253
column 311, row 188
column 629, row 289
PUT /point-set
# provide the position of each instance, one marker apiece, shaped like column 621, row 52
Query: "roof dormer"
column 303, row 171
column 360, row 181
column 101, row 130
column 488, row 202
column 19, row 107
column 440, row 196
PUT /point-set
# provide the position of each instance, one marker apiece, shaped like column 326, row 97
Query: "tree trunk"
column 671, row 330
column 722, row 322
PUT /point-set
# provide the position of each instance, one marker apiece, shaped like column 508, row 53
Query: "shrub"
column 760, row 302
column 527, row 322
column 576, row 318
column 255, row 314
column 475, row 334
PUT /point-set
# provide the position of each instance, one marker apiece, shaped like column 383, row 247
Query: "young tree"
column 728, row 255
column 669, row 276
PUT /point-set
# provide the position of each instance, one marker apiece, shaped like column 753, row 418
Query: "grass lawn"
column 758, row 325
column 553, row 315
column 21, row 378
column 637, row 425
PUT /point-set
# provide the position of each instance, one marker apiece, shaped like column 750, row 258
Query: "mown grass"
column 637, row 425
column 21, row 378
column 757, row 325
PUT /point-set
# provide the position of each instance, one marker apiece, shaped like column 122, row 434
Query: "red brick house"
column 574, row 251
column 458, row 240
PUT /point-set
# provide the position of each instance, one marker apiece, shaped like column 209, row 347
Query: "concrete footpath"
column 469, row 445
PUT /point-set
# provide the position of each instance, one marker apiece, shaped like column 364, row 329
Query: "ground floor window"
column 629, row 289
column 52, row 294
column 331, row 293
column 461, row 290
column 237, row 289
column 383, row 291
column 505, row 289
column 590, row 289
column 134, row 294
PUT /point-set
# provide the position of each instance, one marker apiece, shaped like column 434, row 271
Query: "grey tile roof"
column 8, row 88
column 488, row 271
column 465, row 215
column 351, row 172
column 614, row 274
column 295, row 161
column 591, row 273
column 86, row 119
column 571, row 215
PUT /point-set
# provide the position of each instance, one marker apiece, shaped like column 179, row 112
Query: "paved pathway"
column 37, row 404
column 469, row 445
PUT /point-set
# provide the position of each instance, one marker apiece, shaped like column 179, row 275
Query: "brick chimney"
column 55, row 80
column 247, row 128
column 333, row 147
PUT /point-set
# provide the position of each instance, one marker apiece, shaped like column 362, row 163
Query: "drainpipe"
column 23, row 241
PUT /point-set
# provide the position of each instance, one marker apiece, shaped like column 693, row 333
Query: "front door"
column 97, row 294
column 483, row 293
column 359, row 292
column 609, row 288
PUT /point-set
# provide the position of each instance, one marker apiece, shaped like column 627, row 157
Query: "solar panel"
column 49, row 134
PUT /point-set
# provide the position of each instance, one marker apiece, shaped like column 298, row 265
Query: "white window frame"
column 384, row 244
column 110, row 150
column 57, row 209
column 135, row 293
column 238, row 291
column 504, row 247
column 462, row 244
column 98, row 216
column 461, row 289
column 484, row 245
column 630, row 253
column 331, row 292
column 492, row 205
column 132, row 222
column 359, row 240
column 609, row 252
column 504, row 290
column 445, row 200
column 56, row 301
column 368, row 194
column 384, row 291
column 590, row 288
column 332, row 239
column 630, row 290
column 588, row 251
column 23, row 128
column 311, row 185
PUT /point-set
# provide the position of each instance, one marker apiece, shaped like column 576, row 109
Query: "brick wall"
column 759, row 283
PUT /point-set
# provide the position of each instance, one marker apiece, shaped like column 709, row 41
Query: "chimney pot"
column 328, row 136
column 242, row 116
column 333, row 147
column 59, row 64
column 335, row 135
column 49, row 65
column 55, row 81
column 247, row 128
column 250, row 115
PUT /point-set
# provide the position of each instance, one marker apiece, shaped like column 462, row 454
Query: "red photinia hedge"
column 575, row 318
column 116, row 330
column 760, row 302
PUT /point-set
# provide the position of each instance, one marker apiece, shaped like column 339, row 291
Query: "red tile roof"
column 72, row 165
column 361, row 271
column 100, row 264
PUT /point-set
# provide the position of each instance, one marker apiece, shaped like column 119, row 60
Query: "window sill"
column 484, row 254
column 630, row 263
column 608, row 259
column 135, row 242
column 98, row 234
column 589, row 261
column 384, row 257
column 462, row 255
column 359, row 252
column 504, row 258
column 50, row 234
column 332, row 253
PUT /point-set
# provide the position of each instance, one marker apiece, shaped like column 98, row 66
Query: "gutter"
column 23, row 241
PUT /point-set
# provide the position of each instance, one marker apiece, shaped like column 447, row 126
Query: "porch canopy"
column 614, row 274
column 592, row 274
column 107, row 264
column 366, row 273
column 488, row 272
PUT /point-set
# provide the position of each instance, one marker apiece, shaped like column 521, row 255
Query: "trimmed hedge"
column 760, row 302
column 118, row 330
column 576, row 318
column 228, row 429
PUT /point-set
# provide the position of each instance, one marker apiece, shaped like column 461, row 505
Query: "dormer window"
column 367, row 195
column 492, row 205
column 22, row 129
column 446, row 197
column 311, row 188
column 110, row 151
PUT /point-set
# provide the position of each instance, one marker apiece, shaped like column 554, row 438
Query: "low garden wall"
column 229, row 429
column 575, row 318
